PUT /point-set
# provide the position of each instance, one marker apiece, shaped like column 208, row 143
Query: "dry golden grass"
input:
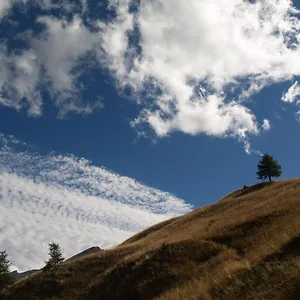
column 246, row 246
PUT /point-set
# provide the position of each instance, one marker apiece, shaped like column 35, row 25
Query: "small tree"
column 268, row 167
column 5, row 275
column 56, row 257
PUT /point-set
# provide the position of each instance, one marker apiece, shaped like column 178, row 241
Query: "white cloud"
column 62, row 45
column 19, row 80
column 59, row 50
column 196, row 60
column 5, row 6
column 292, row 94
column 62, row 5
column 50, row 62
column 66, row 199
column 190, row 65
column 266, row 126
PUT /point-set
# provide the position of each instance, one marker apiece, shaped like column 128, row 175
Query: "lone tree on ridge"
column 268, row 167
column 56, row 257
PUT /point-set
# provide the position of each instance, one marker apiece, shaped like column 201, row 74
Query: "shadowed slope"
column 246, row 246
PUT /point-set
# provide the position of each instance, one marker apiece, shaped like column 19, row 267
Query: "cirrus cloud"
column 66, row 199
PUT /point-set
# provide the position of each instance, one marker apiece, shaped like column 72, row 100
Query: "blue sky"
column 179, row 97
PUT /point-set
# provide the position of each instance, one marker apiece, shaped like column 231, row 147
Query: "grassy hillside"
column 246, row 246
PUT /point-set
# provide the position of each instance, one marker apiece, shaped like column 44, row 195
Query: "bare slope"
column 246, row 246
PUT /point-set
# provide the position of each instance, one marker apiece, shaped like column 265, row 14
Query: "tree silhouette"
column 268, row 167
column 56, row 257
column 5, row 275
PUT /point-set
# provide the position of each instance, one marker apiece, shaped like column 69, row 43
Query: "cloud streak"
column 66, row 199
column 292, row 95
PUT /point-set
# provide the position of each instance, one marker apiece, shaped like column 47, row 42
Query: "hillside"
column 245, row 246
column 86, row 252
column 17, row 276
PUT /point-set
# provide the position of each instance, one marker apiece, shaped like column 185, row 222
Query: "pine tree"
column 268, row 167
column 56, row 257
column 5, row 275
